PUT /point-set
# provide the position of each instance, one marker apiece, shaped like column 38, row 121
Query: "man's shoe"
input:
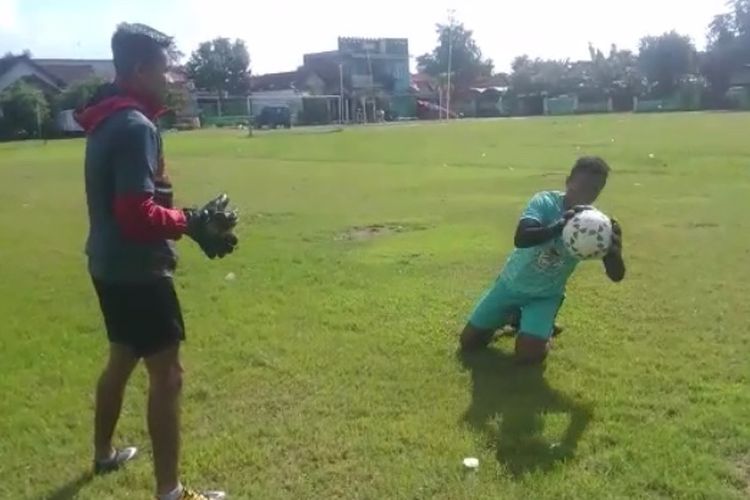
column 119, row 458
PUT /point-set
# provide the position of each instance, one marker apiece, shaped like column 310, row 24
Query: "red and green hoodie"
column 132, row 225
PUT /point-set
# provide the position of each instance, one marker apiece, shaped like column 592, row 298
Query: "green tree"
column 25, row 111
column 222, row 66
column 457, row 44
column 614, row 75
column 665, row 61
column 727, row 48
column 540, row 76
column 78, row 94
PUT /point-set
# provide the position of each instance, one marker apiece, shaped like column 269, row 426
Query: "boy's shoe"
column 119, row 458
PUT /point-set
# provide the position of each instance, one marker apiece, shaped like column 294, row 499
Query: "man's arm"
column 613, row 263
column 139, row 217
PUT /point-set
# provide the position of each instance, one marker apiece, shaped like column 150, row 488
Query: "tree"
column 540, row 76
column 665, row 60
column 25, row 111
column 25, row 53
column 78, row 94
column 613, row 75
column 727, row 48
column 222, row 66
column 456, row 43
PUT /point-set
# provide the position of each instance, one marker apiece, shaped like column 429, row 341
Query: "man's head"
column 586, row 180
column 141, row 61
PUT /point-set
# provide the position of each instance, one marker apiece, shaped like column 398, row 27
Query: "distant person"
column 131, row 257
column 533, row 279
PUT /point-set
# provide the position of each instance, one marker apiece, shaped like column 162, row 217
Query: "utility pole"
column 341, row 92
column 451, row 22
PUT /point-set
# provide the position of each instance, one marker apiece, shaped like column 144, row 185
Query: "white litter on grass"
column 484, row 155
column 230, row 277
column 637, row 184
column 613, row 139
column 651, row 155
column 471, row 463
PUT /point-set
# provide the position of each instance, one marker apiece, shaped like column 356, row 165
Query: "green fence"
column 225, row 121
column 594, row 107
column 563, row 105
column 687, row 100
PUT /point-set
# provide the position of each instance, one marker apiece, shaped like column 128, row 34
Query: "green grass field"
column 328, row 368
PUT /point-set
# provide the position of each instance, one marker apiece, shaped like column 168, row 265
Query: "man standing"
column 131, row 254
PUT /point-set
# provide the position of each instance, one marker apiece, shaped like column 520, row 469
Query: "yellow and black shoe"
column 188, row 494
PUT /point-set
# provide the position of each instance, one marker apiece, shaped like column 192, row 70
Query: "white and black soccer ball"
column 588, row 235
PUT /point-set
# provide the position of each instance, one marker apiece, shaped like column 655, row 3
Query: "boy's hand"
column 569, row 214
column 616, row 245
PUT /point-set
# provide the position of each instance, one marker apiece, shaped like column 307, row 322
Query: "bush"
column 77, row 95
column 25, row 112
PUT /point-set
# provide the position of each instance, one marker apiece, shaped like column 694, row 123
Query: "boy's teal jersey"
column 543, row 270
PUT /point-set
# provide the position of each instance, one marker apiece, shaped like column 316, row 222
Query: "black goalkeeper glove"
column 211, row 227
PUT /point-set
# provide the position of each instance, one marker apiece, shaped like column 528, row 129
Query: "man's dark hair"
column 591, row 165
column 137, row 44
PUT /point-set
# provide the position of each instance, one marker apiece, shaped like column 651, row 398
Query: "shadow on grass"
column 71, row 489
column 519, row 397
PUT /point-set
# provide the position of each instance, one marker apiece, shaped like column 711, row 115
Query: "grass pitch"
column 328, row 369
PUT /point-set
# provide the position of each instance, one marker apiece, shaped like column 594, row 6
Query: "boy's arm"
column 530, row 232
column 613, row 263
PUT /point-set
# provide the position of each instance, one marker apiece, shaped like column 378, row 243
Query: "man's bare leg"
column 473, row 338
column 531, row 350
column 165, row 387
column 110, row 391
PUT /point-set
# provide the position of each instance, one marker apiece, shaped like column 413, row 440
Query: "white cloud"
column 9, row 18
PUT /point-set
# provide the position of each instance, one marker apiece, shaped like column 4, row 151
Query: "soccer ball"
column 588, row 235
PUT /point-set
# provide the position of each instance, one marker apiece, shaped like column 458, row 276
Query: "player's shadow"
column 70, row 490
column 508, row 406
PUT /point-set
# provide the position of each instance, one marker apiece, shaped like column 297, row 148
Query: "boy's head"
column 586, row 180
column 141, row 62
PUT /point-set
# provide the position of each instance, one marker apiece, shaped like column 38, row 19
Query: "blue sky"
column 278, row 32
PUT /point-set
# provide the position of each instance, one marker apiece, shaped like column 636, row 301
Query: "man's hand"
column 211, row 227
column 616, row 244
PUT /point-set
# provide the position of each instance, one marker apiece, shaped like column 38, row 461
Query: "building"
column 370, row 73
column 53, row 75
column 278, row 89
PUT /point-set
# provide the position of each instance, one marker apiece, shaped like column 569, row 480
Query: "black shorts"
column 143, row 316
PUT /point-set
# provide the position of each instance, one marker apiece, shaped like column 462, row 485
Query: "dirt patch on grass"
column 270, row 216
column 363, row 233
column 742, row 473
column 693, row 225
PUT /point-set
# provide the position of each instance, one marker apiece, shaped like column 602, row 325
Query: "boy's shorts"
column 498, row 303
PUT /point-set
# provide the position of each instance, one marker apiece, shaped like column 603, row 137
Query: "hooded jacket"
column 132, row 225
